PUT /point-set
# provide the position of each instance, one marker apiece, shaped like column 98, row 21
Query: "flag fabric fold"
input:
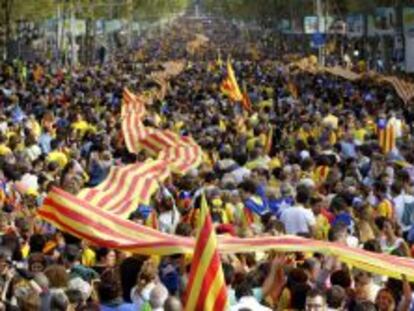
column 126, row 187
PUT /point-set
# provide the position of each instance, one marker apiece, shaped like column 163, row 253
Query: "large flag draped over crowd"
column 103, row 228
column 98, row 214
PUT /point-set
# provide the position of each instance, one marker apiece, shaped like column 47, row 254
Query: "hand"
column 10, row 273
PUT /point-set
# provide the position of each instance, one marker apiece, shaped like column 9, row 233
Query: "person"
column 109, row 291
column 298, row 218
column 315, row 301
column 245, row 299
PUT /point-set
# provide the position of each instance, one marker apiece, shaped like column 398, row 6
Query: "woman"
column 146, row 282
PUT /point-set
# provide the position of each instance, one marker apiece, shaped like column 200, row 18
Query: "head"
column 315, row 301
column 385, row 300
column 312, row 267
column 57, row 276
column 110, row 286
column 158, row 296
column 173, row 304
column 336, row 298
column 243, row 289
column 106, row 257
column 59, row 301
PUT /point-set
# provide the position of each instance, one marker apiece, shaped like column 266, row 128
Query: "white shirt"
column 249, row 302
column 399, row 204
column 168, row 221
column 297, row 219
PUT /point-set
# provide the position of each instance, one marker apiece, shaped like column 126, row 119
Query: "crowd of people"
column 321, row 174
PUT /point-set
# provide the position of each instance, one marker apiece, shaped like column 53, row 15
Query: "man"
column 246, row 300
column 315, row 301
column 298, row 219
column 158, row 296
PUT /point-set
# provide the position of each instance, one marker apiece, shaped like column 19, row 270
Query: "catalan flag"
column 127, row 186
column 386, row 135
column 229, row 86
column 99, row 227
column 132, row 112
column 132, row 103
column 246, row 102
column 404, row 89
column 206, row 288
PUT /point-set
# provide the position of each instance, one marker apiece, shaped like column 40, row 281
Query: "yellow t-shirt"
column 385, row 209
column 58, row 157
column 81, row 126
column 321, row 228
column 88, row 258
column 4, row 150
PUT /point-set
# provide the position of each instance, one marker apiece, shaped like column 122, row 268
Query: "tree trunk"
column 7, row 5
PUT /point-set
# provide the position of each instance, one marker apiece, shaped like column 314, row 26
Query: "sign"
column 355, row 25
column 383, row 22
column 408, row 21
column 318, row 40
column 311, row 24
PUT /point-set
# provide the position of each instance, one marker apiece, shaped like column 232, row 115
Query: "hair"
column 110, row 286
column 158, row 296
column 173, row 304
column 37, row 242
column 248, row 186
column 372, row 246
column 147, row 274
column 59, row 301
column 243, row 289
column 28, row 300
column 335, row 297
column 335, row 231
column 57, row 275
column 128, row 271
column 74, row 296
column 298, row 297
column 228, row 272
column 303, row 195
column 341, row 278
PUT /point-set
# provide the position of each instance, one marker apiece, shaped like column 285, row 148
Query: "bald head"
column 173, row 304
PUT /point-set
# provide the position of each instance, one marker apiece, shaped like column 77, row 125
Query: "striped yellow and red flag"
column 246, row 102
column 183, row 157
column 99, row 227
column 132, row 112
column 386, row 135
column 126, row 187
column 206, row 288
column 404, row 89
column 132, row 103
column 229, row 86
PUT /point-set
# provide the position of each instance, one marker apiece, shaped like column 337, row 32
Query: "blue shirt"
column 121, row 307
column 44, row 142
